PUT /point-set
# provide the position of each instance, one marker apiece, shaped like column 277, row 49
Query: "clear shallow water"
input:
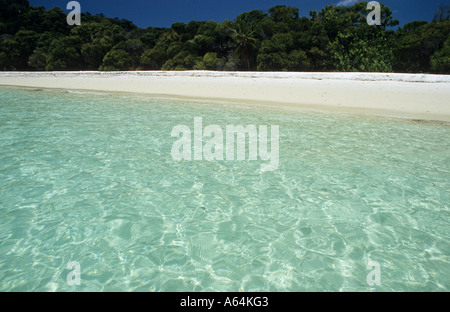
column 90, row 178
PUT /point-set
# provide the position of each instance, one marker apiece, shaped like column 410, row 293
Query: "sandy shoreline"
column 396, row 95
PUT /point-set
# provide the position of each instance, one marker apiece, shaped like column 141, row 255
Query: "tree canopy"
column 333, row 39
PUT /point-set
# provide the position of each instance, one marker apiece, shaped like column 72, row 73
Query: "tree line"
column 332, row 39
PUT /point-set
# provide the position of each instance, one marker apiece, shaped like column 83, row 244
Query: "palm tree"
column 244, row 40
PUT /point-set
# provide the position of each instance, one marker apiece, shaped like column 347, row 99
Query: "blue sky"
column 163, row 13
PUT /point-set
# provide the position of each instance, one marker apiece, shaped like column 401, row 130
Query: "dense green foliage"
column 332, row 39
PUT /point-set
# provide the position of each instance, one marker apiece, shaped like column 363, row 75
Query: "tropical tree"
column 246, row 43
column 156, row 57
column 210, row 61
column 415, row 48
column 9, row 50
column 26, row 43
column 273, row 54
column 64, row 54
column 364, row 49
column 93, row 53
column 117, row 59
column 205, row 39
column 440, row 61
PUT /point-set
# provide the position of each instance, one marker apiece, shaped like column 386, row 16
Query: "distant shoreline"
column 414, row 96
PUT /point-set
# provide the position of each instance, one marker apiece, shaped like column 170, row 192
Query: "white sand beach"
column 397, row 95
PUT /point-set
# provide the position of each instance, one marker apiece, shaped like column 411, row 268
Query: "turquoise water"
column 90, row 178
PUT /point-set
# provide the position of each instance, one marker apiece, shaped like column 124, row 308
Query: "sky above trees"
column 163, row 13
